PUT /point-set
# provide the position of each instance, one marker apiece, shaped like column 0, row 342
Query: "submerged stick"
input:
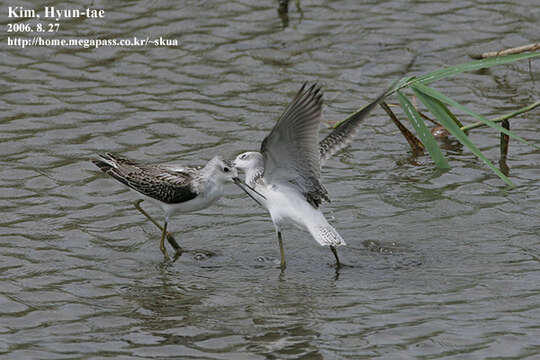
column 503, row 117
column 416, row 145
column 428, row 118
column 505, row 139
column 510, row 51
column 283, row 6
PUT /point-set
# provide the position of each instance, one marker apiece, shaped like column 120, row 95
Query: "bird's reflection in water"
column 283, row 11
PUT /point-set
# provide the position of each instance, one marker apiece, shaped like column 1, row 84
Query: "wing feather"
column 291, row 150
column 345, row 131
column 160, row 182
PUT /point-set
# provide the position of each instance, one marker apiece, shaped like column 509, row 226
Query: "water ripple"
column 439, row 264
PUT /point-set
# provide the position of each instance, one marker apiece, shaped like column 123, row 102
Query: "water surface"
column 441, row 265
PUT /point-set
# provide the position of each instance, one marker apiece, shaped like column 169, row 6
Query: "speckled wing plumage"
column 168, row 184
column 291, row 150
column 343, row 134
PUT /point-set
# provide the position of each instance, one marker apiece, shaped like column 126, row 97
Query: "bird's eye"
column 226, row 169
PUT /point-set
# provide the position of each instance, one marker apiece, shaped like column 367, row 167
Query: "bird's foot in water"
column 198, row 254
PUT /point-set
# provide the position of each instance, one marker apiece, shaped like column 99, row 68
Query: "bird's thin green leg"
column 170, row 238
column 137, row 205
column 334, row 251
column 162, row 242
column 283, row 264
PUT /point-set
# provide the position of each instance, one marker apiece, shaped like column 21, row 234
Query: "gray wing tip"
column 310, row 98
column 107, row 156
column 314, row 91
column 111, row 163
column 103, row 166
column 343, row 133
column 103, row 162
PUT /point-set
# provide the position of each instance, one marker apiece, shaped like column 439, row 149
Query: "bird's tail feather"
column 105, row 162
column 326, row 235
column 113, row 165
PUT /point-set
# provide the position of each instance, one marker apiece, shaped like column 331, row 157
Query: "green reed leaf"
column 437, row 108
column 423, row 132
column 445, row 99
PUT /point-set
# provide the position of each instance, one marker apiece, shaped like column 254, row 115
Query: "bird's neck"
column 209, row 178
column 210, row 188
column 254, row 173
column 208, row 172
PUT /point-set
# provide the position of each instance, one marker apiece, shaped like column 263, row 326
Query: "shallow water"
column 439, row 264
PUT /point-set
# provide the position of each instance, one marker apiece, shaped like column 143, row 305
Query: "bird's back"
column 162, row 183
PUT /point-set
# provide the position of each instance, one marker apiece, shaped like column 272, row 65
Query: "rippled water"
column 440, row 264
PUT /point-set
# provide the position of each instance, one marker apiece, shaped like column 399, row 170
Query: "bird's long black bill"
column 245, row 186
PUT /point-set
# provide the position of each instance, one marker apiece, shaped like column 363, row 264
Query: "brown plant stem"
column 510, row 51
column 416, row 145
column 505, row 139
column 503, row 117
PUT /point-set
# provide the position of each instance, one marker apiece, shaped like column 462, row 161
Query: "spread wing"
column 291, row 150
column 165, row 183
column 345, row 131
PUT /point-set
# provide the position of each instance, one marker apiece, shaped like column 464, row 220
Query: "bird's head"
column 248, row 160
column 223, row 170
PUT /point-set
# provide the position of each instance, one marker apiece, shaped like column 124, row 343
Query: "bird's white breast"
column 287, row 206
column 206, row 197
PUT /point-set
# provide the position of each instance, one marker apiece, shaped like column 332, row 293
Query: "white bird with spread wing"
column 284, row 176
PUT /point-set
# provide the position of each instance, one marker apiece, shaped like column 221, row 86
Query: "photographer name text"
column 50, row 12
